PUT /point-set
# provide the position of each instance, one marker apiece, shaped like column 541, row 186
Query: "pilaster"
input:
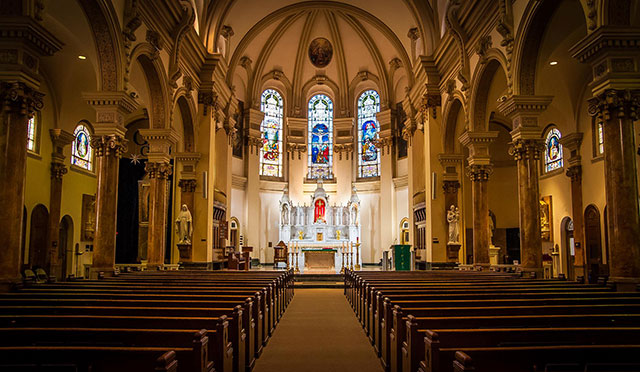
column 388, row 222
column 253, row 119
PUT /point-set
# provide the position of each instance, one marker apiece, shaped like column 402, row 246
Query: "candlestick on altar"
column 349, row 259
column 297, row 268
column 357, row 266
column 342, row 261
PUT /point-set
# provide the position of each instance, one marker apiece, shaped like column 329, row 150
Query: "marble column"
column 19, row 102
column 526, row 148
column 572, row 143
column 617, row 109
column 478, row 171
column 109, row 144
column 159, row 169
column 612, row 53
column 60, row 140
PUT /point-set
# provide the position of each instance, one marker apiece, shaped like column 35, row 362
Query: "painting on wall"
column 88, row 217
column 546, row 220
column 320, row 52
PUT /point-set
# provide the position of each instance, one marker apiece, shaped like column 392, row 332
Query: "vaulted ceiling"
column 371, row 42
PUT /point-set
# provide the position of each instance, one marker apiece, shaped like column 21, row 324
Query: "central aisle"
column 318, row 332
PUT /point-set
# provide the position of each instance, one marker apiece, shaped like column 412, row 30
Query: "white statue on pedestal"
column 453, row 218
column 184, row 225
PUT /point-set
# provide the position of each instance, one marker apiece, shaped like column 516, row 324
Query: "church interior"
column 418, row 171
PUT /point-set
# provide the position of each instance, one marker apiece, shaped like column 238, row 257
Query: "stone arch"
column 483, row 77
column 311, row 88
column 156, row 84
column 107, row 36
column 450, row 119
column 276, row 80
column 184, row 103
column 528, row 41
column 361, row 83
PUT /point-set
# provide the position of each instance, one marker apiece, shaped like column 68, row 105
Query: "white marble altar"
column 321, row 226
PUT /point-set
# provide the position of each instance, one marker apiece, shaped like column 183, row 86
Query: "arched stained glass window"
column 81, row 151
column 31, row 134
column 320, row 153
column 553, row 151
column 368, row 133
column 271, row 129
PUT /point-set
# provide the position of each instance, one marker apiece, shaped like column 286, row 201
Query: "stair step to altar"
column 319, row 281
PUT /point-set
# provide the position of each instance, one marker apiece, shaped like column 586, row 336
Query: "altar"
column 319, row 235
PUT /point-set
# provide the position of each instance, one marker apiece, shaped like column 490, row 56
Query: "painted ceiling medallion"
column 320, row 52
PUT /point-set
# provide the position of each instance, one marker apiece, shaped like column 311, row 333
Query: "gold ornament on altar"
column 301, row 235
column 337, row 234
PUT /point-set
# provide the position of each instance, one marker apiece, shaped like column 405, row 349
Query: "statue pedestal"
column 185, row 252
column 493, row 254
column 452, row 251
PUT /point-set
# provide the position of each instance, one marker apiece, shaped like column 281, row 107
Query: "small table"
column 319, row 258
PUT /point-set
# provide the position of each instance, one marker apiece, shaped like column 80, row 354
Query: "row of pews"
column 192, row 321
column 436, row 321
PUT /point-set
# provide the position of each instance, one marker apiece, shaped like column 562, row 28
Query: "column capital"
column 575, row 173
column 615, row 102
column 612, row 52
column 300, row 148
column 160, row 143
column 187, row 185
column 160, row 169
column 477, row 172
column 383, row 143
column 58, row 170
column 106, row 145
column 450, row 186
column 526, row 148
column 20, row 98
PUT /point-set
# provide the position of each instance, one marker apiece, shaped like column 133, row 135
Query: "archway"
column 38, row 237
column 234, row 233
column 568, row 252
column 593, row 242
column 65, row 245
column 404, row 231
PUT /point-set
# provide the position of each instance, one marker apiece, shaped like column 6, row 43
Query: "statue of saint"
column 285, row 215
column 184, row 225
column 492, row 228
column 453, row 218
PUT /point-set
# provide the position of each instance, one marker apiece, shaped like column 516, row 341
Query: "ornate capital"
column 615, row 103
column 159, row 170
column 526, row 149
column 409, row 129
column 298, row 148
column 575, row 173
column 187, row 185
column 384, row 143
column 20, row 98
column 254, row 142
column 430, row 101
column 450, row 187
column 479, row 172
column 109, row 145
column 58, row 170
column 341, row 148
column 208, row 99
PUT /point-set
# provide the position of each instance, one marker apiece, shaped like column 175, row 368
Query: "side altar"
column 321, row 236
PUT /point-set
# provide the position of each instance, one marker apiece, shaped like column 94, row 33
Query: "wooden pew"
column 567, row 358
column 191, row 347
column 83, row 358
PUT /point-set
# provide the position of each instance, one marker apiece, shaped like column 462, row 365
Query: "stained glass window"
column 320, row 153
column 368, row 132
column 271, row 129
column 31, row 134
column 553, row 151
column 599, row 138
column 81, row 151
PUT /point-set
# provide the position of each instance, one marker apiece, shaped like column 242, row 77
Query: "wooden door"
column 65, row 244
column 593, row 242
column 38, row 237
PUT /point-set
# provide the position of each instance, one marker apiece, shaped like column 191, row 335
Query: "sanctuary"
column 322, row 235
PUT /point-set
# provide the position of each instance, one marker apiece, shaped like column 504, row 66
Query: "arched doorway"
column 38, row 237
column 65, row 245
column 234, row 227
column 404, row 231
column 568, row 251
column 593, row 242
